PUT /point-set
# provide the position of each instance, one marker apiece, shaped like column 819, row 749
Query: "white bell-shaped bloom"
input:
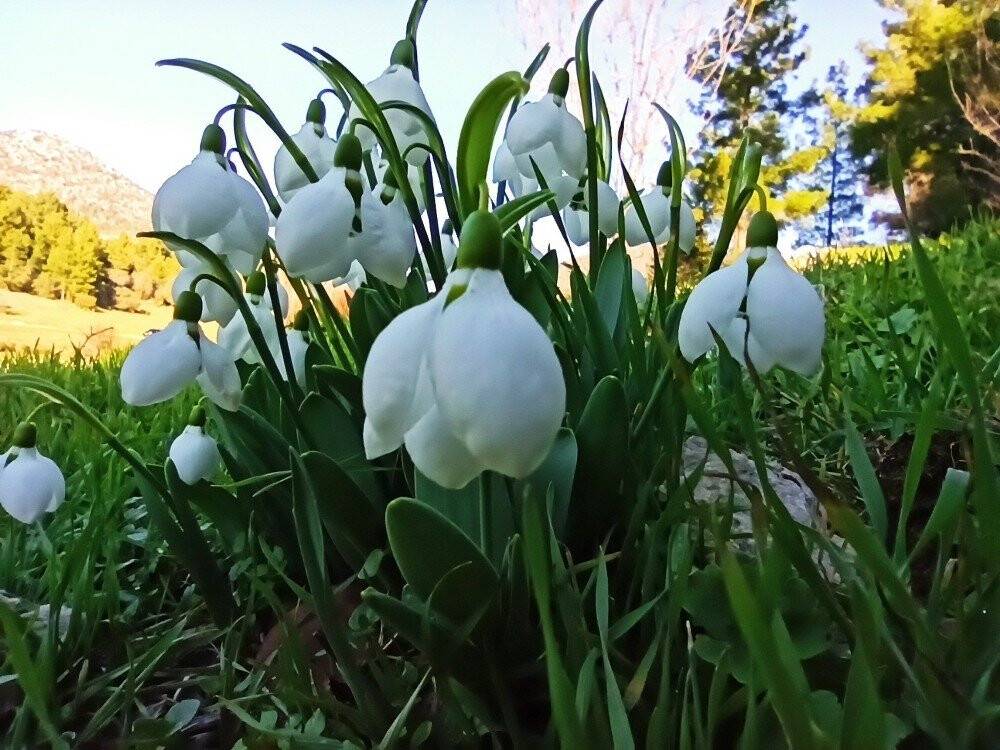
column 640, row 287
column 505, row 170
column 470, row 385
column 195, row 455
column 763, row 311
column 316, row 146
column 398, row 84
column 164, row 363
column 217, row 304
column 235, row 337
column 30, row 484
column 576, row 217
column 207, row 202
column 656, row 205
column 354, row 278
column 298, row 348
column 496, row 378
column 386, row 244
column 546, row 133
column 313, row 232
column 413, row 177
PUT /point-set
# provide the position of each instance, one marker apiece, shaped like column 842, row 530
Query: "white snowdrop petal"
column 546, row 159
column 298, row 347
column 496, row 377
column 195, row 455
column 640, row 287
column 438, row 454
column 389, row 381
column 160, row 366
column 30, row 485
column 197, row 201
column 564, row 188
column 607, row 208
column 505, row 169
column 219, row 379
column 397, row 83
column 786, row 315
column 246, row 232
column 217, row 305
column 577, row 224
column 686, row 234
column 571, row 145
column 713, row 302
column 657, row 209
column 387, row 244
column 534, row 125
column 312, row 230
column 318, row 148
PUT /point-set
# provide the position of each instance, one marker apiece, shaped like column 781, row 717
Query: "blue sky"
column 84, row 70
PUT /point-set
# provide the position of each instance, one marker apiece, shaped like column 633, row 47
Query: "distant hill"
column 32, row 161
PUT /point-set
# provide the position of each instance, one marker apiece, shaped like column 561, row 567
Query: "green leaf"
column 863, row 724
column 621, row 732
column 475, row 143
column 611, row 284
column 864, row 472
column 513, row 211
column 229, row 516
column 950, row 501
column 427, row 546
column 583, row 82
column 557, row 471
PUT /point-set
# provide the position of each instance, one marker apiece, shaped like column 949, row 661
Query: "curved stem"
column 279, row 323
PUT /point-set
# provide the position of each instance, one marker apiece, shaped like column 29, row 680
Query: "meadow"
column 122, row 644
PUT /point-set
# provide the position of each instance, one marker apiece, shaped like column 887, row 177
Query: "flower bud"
column 213, row 138
column 763, row 230
column 480, row 245
column 188, row 307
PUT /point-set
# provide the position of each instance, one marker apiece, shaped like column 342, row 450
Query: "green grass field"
column 139, row 638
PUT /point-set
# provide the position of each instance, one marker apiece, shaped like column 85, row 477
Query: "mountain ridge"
column 34, row 161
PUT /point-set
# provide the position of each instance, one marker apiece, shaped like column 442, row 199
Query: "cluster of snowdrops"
column 467, row 381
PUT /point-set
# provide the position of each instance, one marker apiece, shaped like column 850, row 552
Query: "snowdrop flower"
column 656, row 204
column 762, row 309
column 315, row 233
column 217, row 304
column 398, row 84
column 207, row 202
column 640, row 287
column 166, row 362
column 546, row 133
column 576, row 217
column 468, row 380
column 195, row 455
column 354, row 278
column 235, row 336
column 315, row 145
column 386, row 244
column 30, row 484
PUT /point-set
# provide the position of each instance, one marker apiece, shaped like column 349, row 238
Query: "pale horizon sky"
column 84, row 69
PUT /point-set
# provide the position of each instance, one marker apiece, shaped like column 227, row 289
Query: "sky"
column 84, row 70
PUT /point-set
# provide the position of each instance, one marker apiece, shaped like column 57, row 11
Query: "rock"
column 716, row 485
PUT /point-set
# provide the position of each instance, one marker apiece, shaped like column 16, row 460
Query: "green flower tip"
column 213, row 138
column 665, row 177
column 256, row 283
column 25, row 435
column 559, row 85
column 301, row 322
column 188, row 307
column 763, row 230
column 348, row 153
column 317, row 112
column 404, row 53
column 198, row 416
column 481, row 243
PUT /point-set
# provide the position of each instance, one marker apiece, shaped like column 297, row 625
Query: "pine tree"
column 752, row 94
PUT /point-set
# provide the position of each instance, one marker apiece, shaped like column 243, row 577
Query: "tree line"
column 47, row 250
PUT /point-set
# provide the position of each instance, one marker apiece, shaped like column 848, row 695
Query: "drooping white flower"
column 386, row 244
column 315, row 145
column 164, row 363
column 656, row 205
column 315, row 233
column 576, row 217
column 30, row 484
column 469, row 384
column 235, row 336
column 398, row 84
column 762, row 309
column 207, row 202
column 546, row 133
column 195, row 455
column 298, row 348
column 217, row 304
column 354, row 278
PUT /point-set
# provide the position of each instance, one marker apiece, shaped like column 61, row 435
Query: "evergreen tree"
column 752, row 94
column 828, row 114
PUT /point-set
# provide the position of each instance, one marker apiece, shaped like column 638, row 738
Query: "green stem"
column 486, row 514
column 279, row 324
